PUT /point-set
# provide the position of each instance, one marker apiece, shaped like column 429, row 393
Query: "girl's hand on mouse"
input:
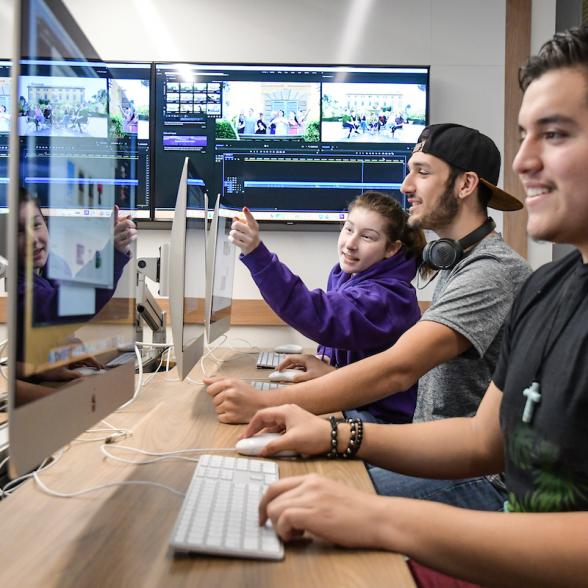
column 303, row 432
column 312, row 367
column 245, row 232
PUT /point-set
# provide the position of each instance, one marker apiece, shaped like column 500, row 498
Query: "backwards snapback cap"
column 469, row 150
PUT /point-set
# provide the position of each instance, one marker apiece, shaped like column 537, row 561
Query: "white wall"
column 542, row 29
column 462, row 40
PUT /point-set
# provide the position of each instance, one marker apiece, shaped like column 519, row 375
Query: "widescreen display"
column 292, row 143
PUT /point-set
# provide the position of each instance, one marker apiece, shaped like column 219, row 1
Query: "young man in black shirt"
column 532, row 422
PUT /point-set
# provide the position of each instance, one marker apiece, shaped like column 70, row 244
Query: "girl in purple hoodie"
column 369, row 301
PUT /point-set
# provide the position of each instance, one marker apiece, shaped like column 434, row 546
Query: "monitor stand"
column 148, row 310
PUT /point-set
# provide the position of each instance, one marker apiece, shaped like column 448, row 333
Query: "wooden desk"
column 119, row 536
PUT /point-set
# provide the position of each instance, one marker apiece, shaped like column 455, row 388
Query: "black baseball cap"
column 469, row 150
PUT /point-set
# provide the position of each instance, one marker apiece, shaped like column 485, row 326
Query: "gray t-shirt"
column 473, row 299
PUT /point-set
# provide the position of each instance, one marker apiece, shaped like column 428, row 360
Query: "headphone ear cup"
column 442, row 253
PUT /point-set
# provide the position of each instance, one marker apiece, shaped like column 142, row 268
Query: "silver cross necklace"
column 533, row 391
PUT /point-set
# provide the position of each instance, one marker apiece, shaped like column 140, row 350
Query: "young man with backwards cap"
column 452, row 350
column 532, row 420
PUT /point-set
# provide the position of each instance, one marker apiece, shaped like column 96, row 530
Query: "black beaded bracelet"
column 355, row 438
column 333, row 453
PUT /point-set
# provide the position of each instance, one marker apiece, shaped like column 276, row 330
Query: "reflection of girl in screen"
column 32, row 228
column 241, row 123
column 293, row 124
column 130, row 119
column 280, row 123
column 33, row 237
column 260, row 126
column 45, row 289
column 369, row 302
column 4, row 119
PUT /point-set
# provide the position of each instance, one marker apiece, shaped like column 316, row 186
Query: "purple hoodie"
column 359, row 315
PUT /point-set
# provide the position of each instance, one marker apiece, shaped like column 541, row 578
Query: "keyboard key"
column 265, row 385
column 269, row 359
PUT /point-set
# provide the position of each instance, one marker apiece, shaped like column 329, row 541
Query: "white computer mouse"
column 88, row 371
column 284, row 376
column 288, row 348
column 253, row 445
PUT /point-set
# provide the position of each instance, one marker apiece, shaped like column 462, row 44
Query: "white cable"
column 115, row 433
column 150, row 378
column 141, row 344
column 212, row 348
column 47, row 490
column 197, row 382
column 251, row 346
column 45, row 465
column 140, row 382
column 158, row 455
column 2, row 359
column 3, row 463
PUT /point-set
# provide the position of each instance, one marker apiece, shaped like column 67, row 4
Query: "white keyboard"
column 265, row 385
column 121, row 359
column 269, row 359
column 219, row 514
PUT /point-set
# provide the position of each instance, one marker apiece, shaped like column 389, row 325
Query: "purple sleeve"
column 359, row 317
column 103, row 295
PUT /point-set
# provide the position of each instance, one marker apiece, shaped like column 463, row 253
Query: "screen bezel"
column 186, row 356
column 216, row 328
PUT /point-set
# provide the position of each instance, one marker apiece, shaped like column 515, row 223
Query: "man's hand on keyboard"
column 234, row 400
column 326, row 509
column 311, row 366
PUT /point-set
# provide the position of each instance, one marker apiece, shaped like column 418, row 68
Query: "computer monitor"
column 294, row 143
column 65, row 266
column 84, row 117
column 187, row 271
column 3, row 242
column 219, row 275
column 5, row 118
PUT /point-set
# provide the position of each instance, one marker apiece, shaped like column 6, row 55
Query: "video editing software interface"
column 292, row 143
column 5, row 113
column 77, row 117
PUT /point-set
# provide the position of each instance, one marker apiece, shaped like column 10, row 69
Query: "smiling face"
column 362, row 241
column 552, row 161
column 430, row 192
column 39, row 234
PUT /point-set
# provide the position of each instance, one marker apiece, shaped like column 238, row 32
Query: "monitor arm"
column 148, row 310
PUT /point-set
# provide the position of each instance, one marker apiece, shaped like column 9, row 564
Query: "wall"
column 462, row 40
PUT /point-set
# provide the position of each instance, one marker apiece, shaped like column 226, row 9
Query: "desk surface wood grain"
column 119, row 536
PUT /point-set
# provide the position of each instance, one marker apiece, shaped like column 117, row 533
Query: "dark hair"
column 484, row 193
column 397, row 229
column 566, row 49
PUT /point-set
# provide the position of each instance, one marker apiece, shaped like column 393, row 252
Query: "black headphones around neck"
column 446, row 253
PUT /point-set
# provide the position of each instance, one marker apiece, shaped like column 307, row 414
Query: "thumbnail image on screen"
column 5, row 117
column 292, row 143
column 79, row 121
